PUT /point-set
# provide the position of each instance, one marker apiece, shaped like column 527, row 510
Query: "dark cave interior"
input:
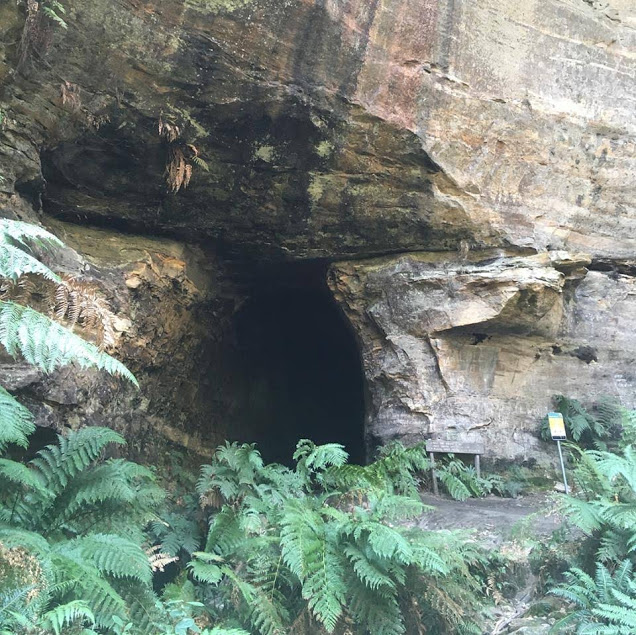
column 302, row 375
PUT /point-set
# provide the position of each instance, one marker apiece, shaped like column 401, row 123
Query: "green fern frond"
column 72, row 573
column 388, row 543
column 381, row 614
column 203, row 568
column 147, row 614
column 29, row 540
column 198, row 161
column 368, row 572
column 225, row 532
column 58, row 6
column 613, row 546
column 585, row 515
column 74, row 453
column 68, row 614
column 19, row 474
column 455, row 486
column 113, row 555
column 429, row 560
column 319, row 457
column 54, row 16
column 300, row 538
column 26, row 234
column 393, row 508
column 117, row 480
column 15, row 262
column 48, row 345
column 16, row 422
column 264, row 615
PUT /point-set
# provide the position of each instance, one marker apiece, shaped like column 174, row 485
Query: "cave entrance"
column 302, row 374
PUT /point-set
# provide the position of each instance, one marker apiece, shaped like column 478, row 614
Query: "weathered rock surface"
column 475, row 348
column 490, row 143
column 164, row 296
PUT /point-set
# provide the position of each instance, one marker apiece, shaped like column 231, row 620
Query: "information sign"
column 557, row 426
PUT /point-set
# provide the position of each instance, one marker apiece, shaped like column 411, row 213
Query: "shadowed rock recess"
column 436, row 194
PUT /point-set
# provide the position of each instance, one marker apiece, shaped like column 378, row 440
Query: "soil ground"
column 501, row 518
column 496, row 523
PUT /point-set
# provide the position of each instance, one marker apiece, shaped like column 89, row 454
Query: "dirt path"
column 495, row 521
column 499, row 518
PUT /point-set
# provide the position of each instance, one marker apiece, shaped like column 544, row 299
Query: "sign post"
column 557, row 430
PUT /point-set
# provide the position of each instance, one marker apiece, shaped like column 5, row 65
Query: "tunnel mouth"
column 299, row 365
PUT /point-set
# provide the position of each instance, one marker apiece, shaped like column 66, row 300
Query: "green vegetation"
column 54, row 10
column 81, row 520
column 596, row 427
column 600, row 585
column 320, row 547
column 323, row 547
column 461, row 480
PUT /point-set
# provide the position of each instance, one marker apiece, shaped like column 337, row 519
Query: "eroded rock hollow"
column 436, row 194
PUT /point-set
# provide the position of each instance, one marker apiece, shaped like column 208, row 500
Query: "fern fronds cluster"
column 602, row 593
column 593, row 428
column 82, row 519
column 73, row 302
column 605, row 603
column 324, row 548
column 27, row 333
column 605, row 509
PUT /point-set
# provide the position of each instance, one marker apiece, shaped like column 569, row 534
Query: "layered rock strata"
column 466, row 166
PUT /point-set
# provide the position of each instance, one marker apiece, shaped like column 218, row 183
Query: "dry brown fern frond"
column 212, row 498
column 77, row 303
column 159, row 560
column 95, row 121
column 23, row 290
column 168, row 130
column 178, row 171
column 71, row 96
column 493, row 591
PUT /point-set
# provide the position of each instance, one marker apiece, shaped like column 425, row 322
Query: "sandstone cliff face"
column 466, row 166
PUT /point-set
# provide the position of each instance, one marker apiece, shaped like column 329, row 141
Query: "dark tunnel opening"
column 302, row 375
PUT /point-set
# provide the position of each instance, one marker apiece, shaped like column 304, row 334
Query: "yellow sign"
column 557, row 427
